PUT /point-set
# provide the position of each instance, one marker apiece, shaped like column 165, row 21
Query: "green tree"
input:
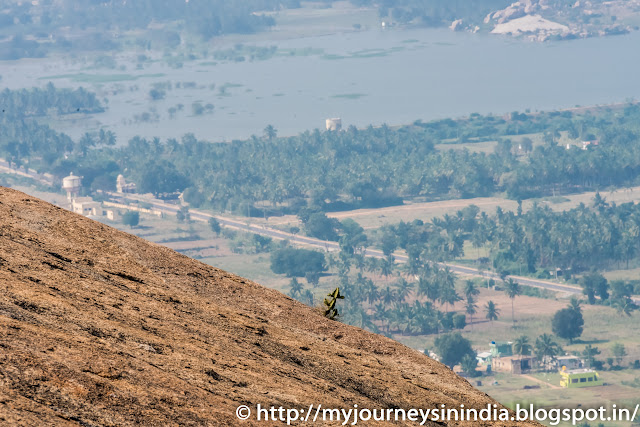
column 389, row 242
column 403, row 288
column 214, row 225
column 295, row 288
column 131, row 218
column 619, row 351
column 471, row 308
column 270, row 132
column 568, row 324
column 521, row 346
column 469, row 363
column 183, row 214
column 161, row 177
column 589, row 353
column 197, row 109
column 297, row 262
column 459, row 321
column 624, row 306
column 491, row 311
column 574, row 304
column 512, row 289
column 546, row 349
column 313, row 278
column 452, row 348
column 261, row 243
column 621, row 297
column 85, row 143
column 320, row 226
column 428, row 287
column 470, row 289
column 594, row 284
column 353, row 237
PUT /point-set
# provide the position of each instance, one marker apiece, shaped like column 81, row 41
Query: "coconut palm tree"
column 491, row 311
column 388, row 296
column 546, row 348
column 521, row 346
column 471, row 308
column 403, row 288
column 386, row 266
column 470, row 289
column 429, row 288
column 512, row 289
column 295, row 288
column 308, row 298
column 371, row 292
column 270, row 132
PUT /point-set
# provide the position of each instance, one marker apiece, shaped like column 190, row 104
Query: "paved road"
column 333, row 246
column 310, row 241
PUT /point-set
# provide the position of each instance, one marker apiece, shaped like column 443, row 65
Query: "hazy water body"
column 395, row 77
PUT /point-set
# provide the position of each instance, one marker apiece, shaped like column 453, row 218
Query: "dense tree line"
column 26, row 141
column 435, row 12
column 297, row 262
column 598, row 236
column 38, row 102
column 381, row 166
column 97, row 19
column 338, row 170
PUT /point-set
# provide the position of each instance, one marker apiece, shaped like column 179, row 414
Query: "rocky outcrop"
column 101, row 328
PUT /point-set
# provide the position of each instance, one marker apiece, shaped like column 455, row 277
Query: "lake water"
column 369, row 77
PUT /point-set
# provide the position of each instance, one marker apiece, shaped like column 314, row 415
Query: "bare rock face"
column 456, row 25
column 515, row 10
column 101, row 328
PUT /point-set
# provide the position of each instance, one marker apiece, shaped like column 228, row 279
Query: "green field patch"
column 223, row 90
column 332, row 56
column 375, row 53
column 303, row 51
column 101, row 78
column 350, row 95
column 364, row 53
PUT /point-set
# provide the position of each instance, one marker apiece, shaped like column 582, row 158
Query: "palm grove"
column 316, row 171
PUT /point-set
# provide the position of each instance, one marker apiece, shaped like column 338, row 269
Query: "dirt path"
column 417, row 207
column 529, row 377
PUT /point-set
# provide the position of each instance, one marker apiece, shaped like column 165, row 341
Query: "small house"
column 86, row 206
column 112, row 215
column 569, row 363
column 484, row 358
column 334, row 124
column 501, row 348
column 512, row 364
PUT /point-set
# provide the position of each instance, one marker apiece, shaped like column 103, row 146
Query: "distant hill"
column 99, row 327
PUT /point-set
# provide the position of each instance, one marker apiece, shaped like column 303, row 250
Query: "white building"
column 122, row 186
column 72, row 185
column 86, row 206
column 334, row 124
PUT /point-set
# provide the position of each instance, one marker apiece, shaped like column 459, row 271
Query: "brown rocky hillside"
column 101, row 328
